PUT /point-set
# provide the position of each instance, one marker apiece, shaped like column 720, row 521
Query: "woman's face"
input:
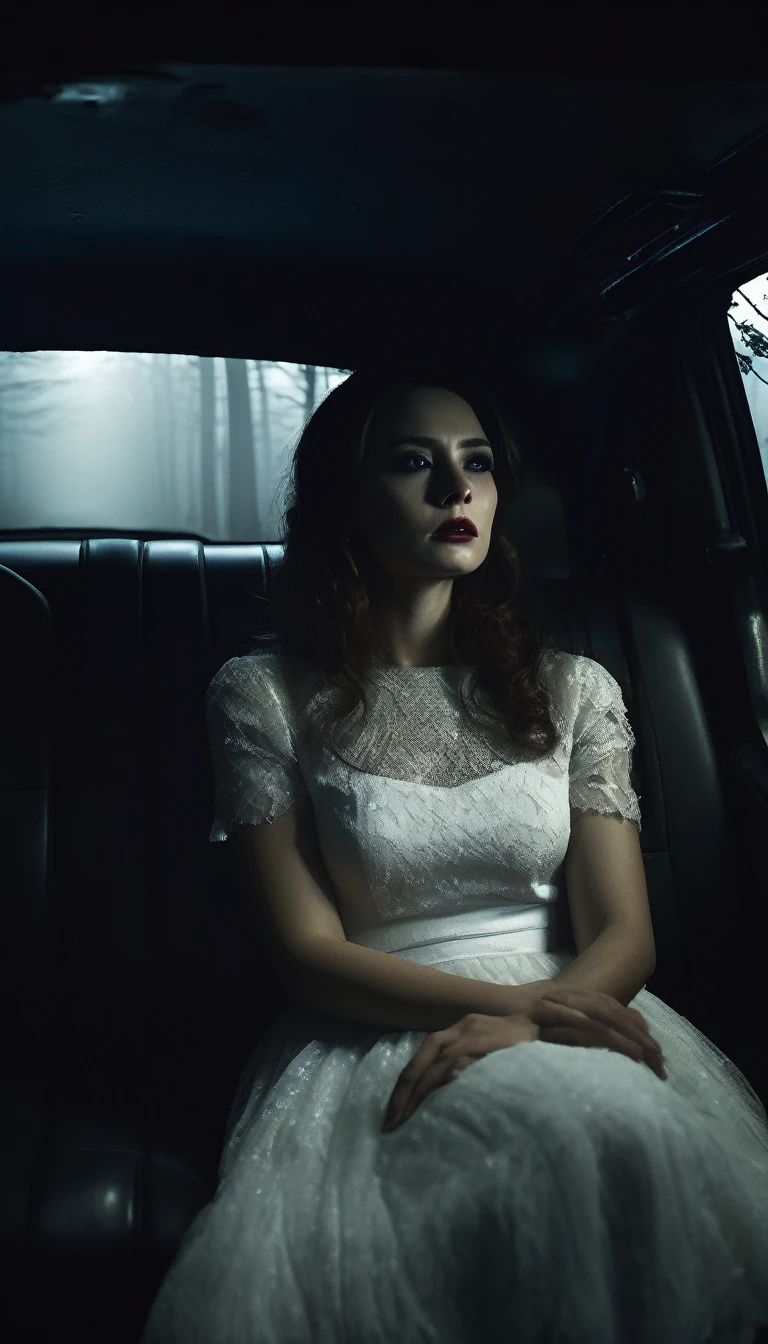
column 409, row 488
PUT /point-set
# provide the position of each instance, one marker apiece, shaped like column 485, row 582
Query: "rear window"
column 94, row 442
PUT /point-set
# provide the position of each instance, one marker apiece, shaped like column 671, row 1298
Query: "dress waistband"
column 522, row 928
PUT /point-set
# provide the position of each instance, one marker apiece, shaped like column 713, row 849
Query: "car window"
column 117, row 440
column 748, row 325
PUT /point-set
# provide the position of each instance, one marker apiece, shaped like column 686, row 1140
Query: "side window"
column 748, row 325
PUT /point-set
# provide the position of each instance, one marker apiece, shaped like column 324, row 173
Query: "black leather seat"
column 132, row 980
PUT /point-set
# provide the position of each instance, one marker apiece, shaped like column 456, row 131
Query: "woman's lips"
column 453, row 536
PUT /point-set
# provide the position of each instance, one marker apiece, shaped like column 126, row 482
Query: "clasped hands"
column 562, row 1016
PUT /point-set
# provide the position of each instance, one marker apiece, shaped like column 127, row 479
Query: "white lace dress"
column 550, row 1193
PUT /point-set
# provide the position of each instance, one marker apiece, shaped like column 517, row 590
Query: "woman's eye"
column 478, row 457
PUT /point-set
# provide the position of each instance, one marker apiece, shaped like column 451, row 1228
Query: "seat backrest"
column 160, row 958
column 28, row 908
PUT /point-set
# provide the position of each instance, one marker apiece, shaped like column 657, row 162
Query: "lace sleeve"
column 603, row 741
column 255, row 771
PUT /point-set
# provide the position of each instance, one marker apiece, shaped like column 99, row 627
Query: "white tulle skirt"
column 550, row 1193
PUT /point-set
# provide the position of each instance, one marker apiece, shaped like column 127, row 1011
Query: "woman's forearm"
column 616, row 963
column 383, row 990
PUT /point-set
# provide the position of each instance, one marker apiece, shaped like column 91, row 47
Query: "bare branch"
column 756, row 341
column 752, row 305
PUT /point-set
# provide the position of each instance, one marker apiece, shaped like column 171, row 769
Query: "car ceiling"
column 201, row 203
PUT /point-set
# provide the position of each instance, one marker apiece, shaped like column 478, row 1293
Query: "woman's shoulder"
column 246, row 672
column 571, row 664
column 268, row 673
column 564, row 676
column 559, row 664
column 579, row 679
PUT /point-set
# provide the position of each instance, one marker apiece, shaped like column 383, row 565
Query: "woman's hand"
column 561, row 1016
column 455, row 1048
column 589, row 1018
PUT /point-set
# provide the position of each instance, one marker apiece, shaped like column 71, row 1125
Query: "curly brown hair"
column 321, row 603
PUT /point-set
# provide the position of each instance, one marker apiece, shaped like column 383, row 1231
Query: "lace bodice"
column 419, row 810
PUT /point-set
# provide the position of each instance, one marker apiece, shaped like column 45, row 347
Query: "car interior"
column 595, row 247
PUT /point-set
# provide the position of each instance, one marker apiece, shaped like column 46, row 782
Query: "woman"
column 547, row 1177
